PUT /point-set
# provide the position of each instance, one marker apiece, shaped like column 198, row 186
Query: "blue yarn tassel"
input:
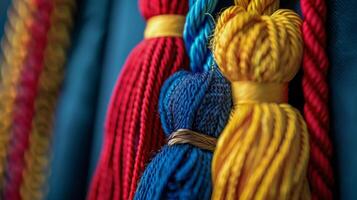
column 197, row 101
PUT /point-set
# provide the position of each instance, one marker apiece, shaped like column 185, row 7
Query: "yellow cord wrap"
column 253, row 92
column 165, row 26
column 263, row 151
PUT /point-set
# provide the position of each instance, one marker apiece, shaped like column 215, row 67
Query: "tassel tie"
column 132, row 127
column 199, row 140
column 164, row 26
column 264, row 149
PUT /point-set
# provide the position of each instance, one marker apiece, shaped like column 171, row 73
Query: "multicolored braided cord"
column 32, row 93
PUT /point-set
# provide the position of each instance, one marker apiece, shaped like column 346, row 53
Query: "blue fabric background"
column 4, row 4
column 342, row 29
column 77, row 103
column 126, row 29
column 104, row 34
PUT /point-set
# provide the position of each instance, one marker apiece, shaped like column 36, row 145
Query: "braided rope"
column 315, row 88
column 38, row 78
column 14, row 47
column 58, row 39
column 197, row 32
column 27, row 92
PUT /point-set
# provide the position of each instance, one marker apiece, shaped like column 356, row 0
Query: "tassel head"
column 196, row 101
column 248, row 46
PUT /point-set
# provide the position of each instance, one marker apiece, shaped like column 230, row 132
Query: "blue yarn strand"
column 197, row 32
column 200, row 101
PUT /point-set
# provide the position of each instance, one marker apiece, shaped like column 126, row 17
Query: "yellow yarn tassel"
column 263, row 151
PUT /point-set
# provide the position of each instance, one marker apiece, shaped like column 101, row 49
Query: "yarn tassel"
column 315, row 87
column 263, row 152
column 48, row 26
column 194, row 108
column 133, row 130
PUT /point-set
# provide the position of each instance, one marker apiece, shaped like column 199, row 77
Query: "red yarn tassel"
column 133, row 130
column 315, row 88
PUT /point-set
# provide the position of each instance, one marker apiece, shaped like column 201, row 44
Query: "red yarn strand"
column 315, row 88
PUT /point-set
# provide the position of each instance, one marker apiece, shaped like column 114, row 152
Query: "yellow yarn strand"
column 165, row 26
column 263, row 151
